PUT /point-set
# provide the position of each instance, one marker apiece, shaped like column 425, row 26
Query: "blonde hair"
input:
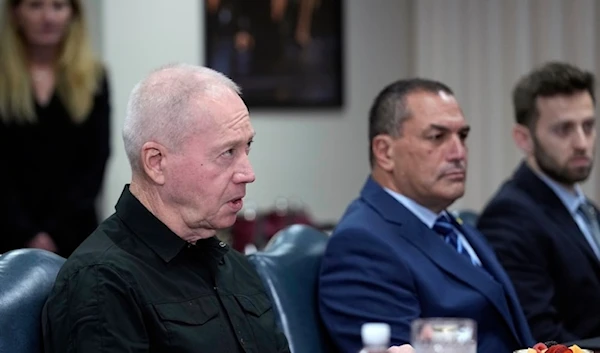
column 78, row 72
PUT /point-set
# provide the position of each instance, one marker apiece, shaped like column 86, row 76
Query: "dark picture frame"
column 282, row 53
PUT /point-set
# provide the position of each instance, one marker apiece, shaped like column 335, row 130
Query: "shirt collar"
column 570, row 200
column 154, row 233
column 424, row 214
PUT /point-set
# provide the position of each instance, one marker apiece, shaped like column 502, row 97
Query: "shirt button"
column 222, row 244
column 242, row 341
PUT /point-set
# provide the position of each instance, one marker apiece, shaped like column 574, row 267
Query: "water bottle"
column 375, row 337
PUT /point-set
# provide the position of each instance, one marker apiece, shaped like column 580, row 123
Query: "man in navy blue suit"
column 542, row 227
column 397, row 254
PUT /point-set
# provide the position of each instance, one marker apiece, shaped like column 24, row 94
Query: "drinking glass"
column 444, row 335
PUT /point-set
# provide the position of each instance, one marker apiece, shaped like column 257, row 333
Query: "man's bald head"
column 159, row 107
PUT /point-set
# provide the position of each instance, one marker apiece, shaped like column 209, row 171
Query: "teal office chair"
column 289, row 267
column 26, row 278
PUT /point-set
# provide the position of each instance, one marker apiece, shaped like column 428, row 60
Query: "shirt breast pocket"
column 259, row 314
column 191, row 325
column 256, row 305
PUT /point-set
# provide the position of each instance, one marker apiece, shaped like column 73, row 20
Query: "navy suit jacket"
column 553, row 268
column 383, row 264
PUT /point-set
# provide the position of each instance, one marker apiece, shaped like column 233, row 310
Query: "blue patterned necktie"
column 444, row 227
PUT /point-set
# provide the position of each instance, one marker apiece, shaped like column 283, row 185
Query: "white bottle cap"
column 375, row 334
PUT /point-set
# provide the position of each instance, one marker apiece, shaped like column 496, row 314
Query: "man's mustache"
column 457, row 167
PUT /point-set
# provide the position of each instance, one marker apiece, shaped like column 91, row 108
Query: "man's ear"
column 383, row 152
column 523, row 138
column 153, row 161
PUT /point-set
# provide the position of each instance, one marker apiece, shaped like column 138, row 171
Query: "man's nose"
column 458, row 150
column 581, row 139
column 245, row 174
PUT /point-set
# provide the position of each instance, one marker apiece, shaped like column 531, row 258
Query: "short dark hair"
column 550, row 79
column 389, row 110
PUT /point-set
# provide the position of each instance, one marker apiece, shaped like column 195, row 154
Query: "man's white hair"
column 159, row 106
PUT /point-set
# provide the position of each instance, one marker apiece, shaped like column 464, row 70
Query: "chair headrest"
column 26, row 278
column 296, row 240
column 468, row 216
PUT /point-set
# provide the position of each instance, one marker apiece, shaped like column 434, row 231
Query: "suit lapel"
column 432, row 246
column 554, row 209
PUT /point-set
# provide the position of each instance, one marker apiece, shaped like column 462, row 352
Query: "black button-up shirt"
column 135, row 286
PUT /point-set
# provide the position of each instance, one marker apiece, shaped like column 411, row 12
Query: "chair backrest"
column 289, row 268
column 468, row 216
column 26, row 278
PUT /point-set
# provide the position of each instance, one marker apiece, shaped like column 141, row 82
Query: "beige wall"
column 318, row 156
column 481, row 48
column 477, row 47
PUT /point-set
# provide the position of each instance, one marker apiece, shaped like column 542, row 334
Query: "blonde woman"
column 54, row 126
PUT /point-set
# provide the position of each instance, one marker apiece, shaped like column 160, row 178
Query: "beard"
column 562, row 174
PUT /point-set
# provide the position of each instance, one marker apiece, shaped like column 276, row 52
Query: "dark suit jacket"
column 554, row 270
column 383, row 264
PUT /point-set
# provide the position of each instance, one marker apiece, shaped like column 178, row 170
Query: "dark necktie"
column 443, row 226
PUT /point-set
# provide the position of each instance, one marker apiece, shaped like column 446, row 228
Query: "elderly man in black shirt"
column 153, row 277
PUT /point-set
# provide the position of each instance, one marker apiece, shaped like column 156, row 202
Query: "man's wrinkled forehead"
column 209, row 108
column 429, row 99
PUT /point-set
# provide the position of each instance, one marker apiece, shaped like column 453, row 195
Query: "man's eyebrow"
column 438, row 127
column 443, row 128
column 585, row 120
column 231, row 142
